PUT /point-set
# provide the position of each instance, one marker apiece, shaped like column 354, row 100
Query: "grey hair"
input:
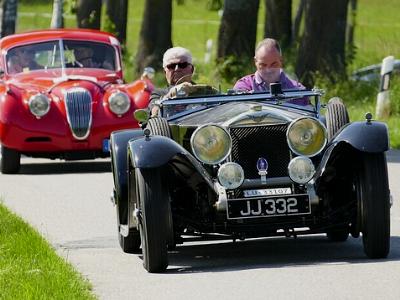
column 176, row 53
column 269, row 43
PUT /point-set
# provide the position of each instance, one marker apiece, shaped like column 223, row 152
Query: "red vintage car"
column 62, row 93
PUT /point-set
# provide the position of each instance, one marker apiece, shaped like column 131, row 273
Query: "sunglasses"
column 181, row 65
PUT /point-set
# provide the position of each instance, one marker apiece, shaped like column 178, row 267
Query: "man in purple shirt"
column 268, row 61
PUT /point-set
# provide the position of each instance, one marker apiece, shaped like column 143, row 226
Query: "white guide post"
column 383, row 100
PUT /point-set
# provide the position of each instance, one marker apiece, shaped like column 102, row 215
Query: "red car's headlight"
column 119, row 103
column 39, row 105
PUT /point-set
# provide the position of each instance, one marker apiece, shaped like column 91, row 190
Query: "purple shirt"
column 254, row 82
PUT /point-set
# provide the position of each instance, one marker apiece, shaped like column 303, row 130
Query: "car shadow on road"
column 103, row 166
column 272, row 253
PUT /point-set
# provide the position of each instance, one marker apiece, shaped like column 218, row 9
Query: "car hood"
column 243, row 114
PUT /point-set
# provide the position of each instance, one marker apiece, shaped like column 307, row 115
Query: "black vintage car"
column 237, row 166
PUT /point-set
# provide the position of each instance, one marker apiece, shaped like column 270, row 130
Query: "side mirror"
column 1, row 72
column 141, row 115
column 148, row 73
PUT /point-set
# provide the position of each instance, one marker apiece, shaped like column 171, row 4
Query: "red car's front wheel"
column 10, row 160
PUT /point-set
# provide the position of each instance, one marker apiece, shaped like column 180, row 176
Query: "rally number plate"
column 268, row 207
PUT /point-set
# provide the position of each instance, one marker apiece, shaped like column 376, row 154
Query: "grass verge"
column 30, row 268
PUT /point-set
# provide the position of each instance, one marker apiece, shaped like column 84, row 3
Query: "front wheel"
column 10, row 160
column 155, row 219
column 374, row 203
column 336, row 116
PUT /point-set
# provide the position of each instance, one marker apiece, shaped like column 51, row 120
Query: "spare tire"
column 336, row 116
column 159, row 126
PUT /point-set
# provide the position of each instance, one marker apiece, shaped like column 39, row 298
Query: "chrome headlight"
column 231, row 175
column 211, row 144
column 119, row 103
column 301, row 169
column 39, row 105
column 306, row 136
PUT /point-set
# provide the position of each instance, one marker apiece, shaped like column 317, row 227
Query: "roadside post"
column 383, row 99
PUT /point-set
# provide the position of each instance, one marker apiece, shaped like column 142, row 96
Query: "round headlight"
column 306, row 136
column 231, row 175
column 39, row 105
column 211, row 144
column 301, row 169
column 119, row 103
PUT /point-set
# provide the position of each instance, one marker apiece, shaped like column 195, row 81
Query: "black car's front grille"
column 78, row 103
column 269, row 142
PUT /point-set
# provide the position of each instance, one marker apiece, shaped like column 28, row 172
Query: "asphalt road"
column 69, row 205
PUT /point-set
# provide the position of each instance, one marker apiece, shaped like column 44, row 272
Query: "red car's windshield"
column 73, row 54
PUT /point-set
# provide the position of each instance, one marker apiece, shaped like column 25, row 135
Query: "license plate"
column 106, row 145
column 268, row 207
column 267, row 192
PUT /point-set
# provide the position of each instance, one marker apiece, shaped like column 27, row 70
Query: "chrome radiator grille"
column 78, row 103
column 251, row 143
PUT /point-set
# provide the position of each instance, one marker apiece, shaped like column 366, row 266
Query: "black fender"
column 119, row 164
column 365, row 136
column 156, row 151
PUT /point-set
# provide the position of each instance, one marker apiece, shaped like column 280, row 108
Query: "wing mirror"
column 141, row 115
column 148, row 73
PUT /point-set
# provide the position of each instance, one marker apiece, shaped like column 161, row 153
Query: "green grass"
column 377, row 34
column 29, row 267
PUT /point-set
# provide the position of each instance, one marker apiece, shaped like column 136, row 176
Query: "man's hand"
column 180, row 90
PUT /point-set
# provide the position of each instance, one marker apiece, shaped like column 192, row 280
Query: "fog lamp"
column 301, row 169
column 230, row 175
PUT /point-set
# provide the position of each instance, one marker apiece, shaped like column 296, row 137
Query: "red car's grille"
column 78, row 103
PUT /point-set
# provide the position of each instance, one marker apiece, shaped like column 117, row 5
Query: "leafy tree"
column 117, row 12
column 238, row 28
column 322, row 47
column 155, row 34
column 278, row 21
column 237, row 35
column 88, row 13
column 297, row 20
column 8, row 17
column 57, row 20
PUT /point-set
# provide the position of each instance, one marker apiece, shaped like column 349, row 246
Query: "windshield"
column 74, row 54
column 300, row 99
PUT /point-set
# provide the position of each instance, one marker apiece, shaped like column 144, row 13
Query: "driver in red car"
column 22, row 59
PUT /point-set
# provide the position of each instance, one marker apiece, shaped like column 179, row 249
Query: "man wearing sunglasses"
column 178, row 68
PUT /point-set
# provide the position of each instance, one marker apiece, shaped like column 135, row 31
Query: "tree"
column 117, row 12
column 278, row 21
column 8, row 17
column 238, row 28
column 297, row 20
column 88, row 13
column 57, row 20
column 322, row 47
column 155, row 34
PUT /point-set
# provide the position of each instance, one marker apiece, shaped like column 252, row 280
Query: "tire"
column 155, row 224
column 336, row 116
column 338, row 235
column 10, row 160
column 374, row 198
column 159, row 126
